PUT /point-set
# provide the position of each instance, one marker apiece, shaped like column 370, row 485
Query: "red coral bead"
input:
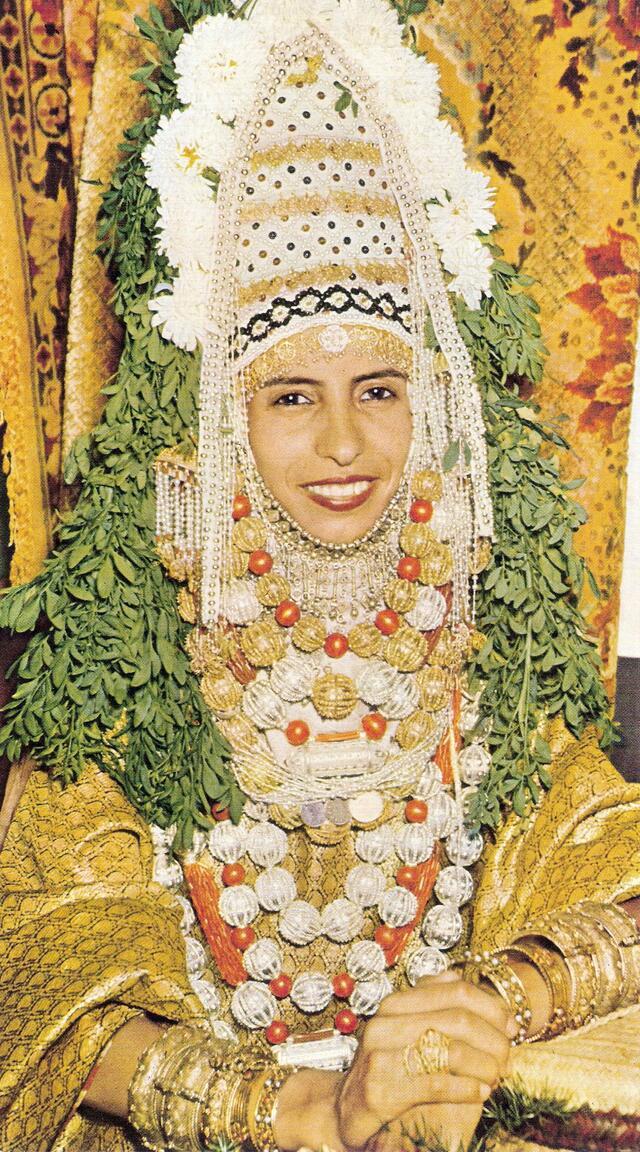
column 346, row 1021
column 233, row 874
column 287, row 613
column 407, row 876
column 421, row 511
column 219, row 813
column 343, row 985
column 297, row 732
column 260, row 562
column 242, row 937
column 387, row 621
column 374, row 725
column 336, row 645
column 281, row 985
column 416, row 811
column 241, row 507
column 385, row 936
column 277, row 1032
column 408, row 568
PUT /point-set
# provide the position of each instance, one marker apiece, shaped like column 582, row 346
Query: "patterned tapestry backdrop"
column 544, row 91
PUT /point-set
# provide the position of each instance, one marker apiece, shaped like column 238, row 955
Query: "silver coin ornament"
column 464, row 847
column 375, row 681
column 260, row 704
column 196, row 956
column 429, row 610
column 376, row 845
column 263, row 960
column 300, row 923
column 267, row 845
column 475, row 762
column 240, row 604
column 367, row 806
column 454, row 885
column 443, row 815
column 342, row 920
column 253, row 1005
column 442, row 926
column 425, row 962
column 414, row 844
column 365, row 884
column 365, row 959
column 238, row 905
column 398, row 907
column 368, row 994
column 337, row 812
column 402, row 700
column 313, row 813
column 311, row 991
column 227, row 841
column 275, row 889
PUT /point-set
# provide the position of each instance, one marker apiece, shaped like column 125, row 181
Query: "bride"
column 302, row 936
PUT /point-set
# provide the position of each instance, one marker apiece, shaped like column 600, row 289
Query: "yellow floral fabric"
column 87, row 939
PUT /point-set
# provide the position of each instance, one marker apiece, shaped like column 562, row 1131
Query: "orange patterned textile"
column 545, row 93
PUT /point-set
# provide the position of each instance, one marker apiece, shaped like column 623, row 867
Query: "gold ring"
column 432, row 1051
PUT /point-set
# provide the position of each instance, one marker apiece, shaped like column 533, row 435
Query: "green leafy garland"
column 109, row 681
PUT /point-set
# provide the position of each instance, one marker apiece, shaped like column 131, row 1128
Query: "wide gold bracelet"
column 552, row 968
column 145, row 1098
column 577, row 953
column 263, row 1106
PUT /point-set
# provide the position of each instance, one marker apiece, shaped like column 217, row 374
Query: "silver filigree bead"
column 403, row 699
column 414, row 843
column 442, row 926
column 240, row 604
column 292, row 677
column 342, row 920
column 263, row 960
column 430, row 783
column 365, row 959
column 188, row 915
column 365, row 884
column 425, row 962
column 454, row 886
column 398, row 907
column 300, row 923
column 311, row 991
column 196, row 956
column 267, row 845
column 375, row 845
column 238, row 905
column 275, row 888
column 443, row 815
column 464, row 847
column 227, row 841
column 253, row 1005
column 167, row 872
column 260, row 704
column 207, row 994
column 429, row 610
column 367, row 994
column 375, row 681
column 475, row 762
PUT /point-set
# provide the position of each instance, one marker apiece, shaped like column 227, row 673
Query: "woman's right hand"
column 377, row 1089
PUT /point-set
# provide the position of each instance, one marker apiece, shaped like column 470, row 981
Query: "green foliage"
column 109, row 681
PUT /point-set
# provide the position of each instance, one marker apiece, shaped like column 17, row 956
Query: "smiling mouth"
column 341, row 495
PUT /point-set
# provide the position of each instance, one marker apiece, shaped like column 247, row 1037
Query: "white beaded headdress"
column 342, row 200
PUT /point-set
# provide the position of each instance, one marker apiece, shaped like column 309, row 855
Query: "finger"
column 432, row 995
column 395, row 1034
column 465, row 1060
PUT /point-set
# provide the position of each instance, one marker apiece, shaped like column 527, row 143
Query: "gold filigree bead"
column 435, row 685
column 308, row 634
column 263, row 642
column 172, row 561
column 221, row 692
column 415, row 730
column 239, row 563
column 477, row 641
column 406, row 650
column 334, row 696
column 223, row 642
column 272, row 589
column 427, row 485
column 418, row 540
column 187, row 605
column 240, row 732
column 481, row 556
column 449, row 652
column 437, row 567
column 366, row 640
column 401, row 595
column 249, row 534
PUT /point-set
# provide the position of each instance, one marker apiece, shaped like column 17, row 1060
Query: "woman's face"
column 331, row 439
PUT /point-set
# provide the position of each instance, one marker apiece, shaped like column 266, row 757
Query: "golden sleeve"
column 87, row 941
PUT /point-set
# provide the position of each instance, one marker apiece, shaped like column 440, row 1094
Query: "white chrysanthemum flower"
column 436, row 151
column 187, row 227
column 367, row 31
column 469, row 261
column 180, row 309
column 184, row 145
column 466, row 211
column 279, row 20
column 218, row 64
column 405, row 82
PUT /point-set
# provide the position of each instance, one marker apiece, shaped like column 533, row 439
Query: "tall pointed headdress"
column 343, row 207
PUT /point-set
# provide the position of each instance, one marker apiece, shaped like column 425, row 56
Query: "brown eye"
column 291, row 400
column 378, row 392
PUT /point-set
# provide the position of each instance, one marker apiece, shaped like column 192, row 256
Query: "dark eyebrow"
column 291, row 381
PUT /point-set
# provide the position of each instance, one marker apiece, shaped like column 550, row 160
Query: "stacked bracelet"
column 495, row 969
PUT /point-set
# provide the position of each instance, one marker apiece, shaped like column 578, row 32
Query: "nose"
column 339, row 437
